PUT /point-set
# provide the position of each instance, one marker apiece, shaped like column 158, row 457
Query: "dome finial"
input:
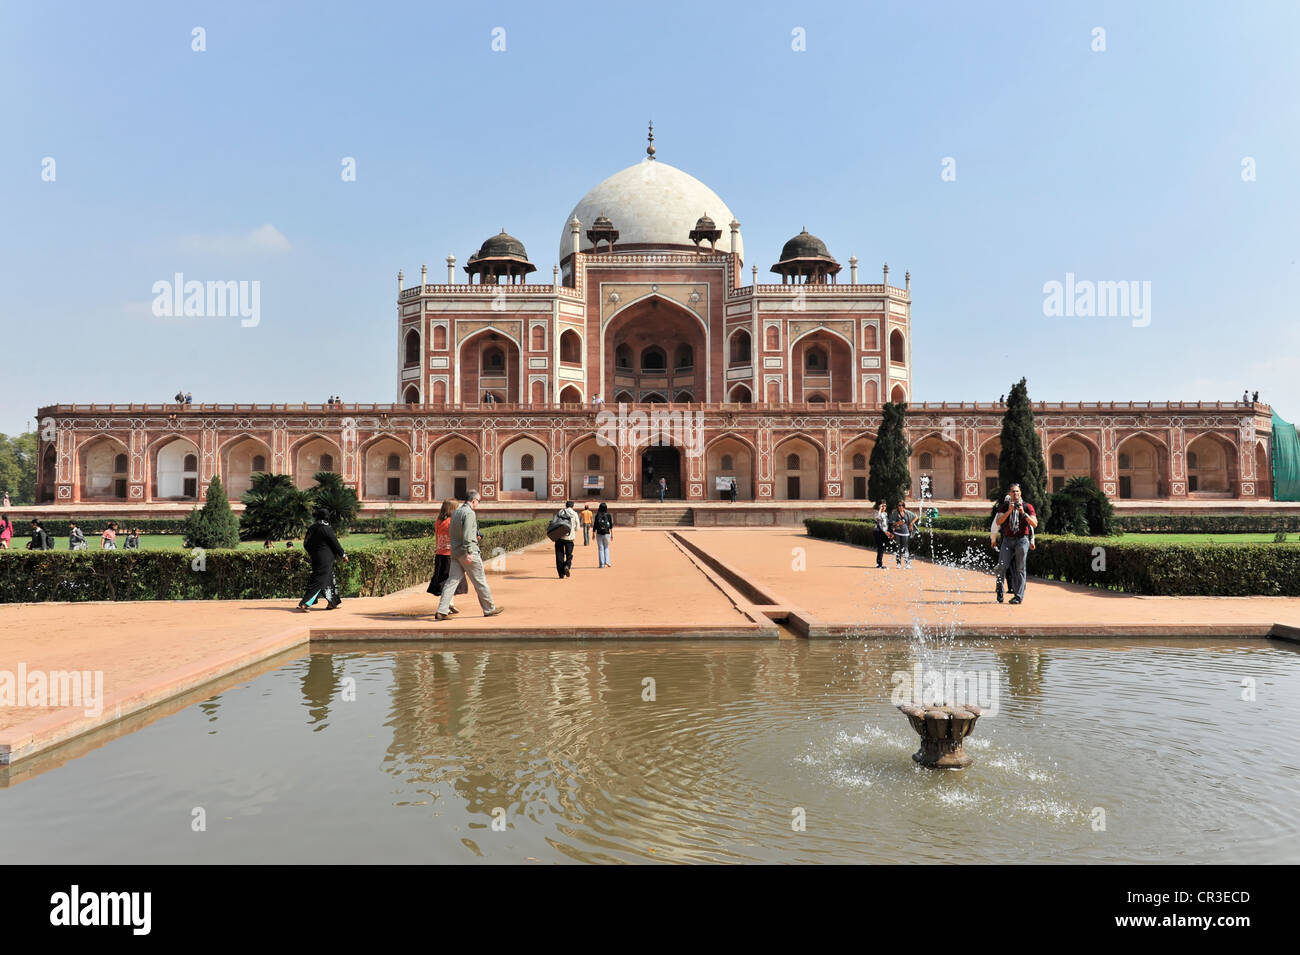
column 650, row 149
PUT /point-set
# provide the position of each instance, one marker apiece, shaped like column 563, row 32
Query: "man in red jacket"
column 1015, row 519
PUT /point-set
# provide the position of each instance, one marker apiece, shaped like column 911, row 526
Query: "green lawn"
column 1202, row 538
column 173, row 542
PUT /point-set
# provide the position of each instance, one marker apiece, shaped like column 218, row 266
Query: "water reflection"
column 665, row 752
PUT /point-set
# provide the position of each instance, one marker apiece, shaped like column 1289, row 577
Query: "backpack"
column 559, row 528
column 604, row 522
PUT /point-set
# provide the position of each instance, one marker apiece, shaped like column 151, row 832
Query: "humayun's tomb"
column 497, row 380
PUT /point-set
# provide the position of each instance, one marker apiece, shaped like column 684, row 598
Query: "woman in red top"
column 442, row 553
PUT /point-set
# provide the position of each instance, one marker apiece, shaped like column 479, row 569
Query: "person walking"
column 40, row 539
column 604, row 525
column 76, row 539
column 442, row 555
column 323, row 547
column 6, row 501
column 6, row 531
column 882, row 533
column 466, row 561
column 564, row 545
column 586, row 517
column 995, row 535
column 1016, row 519
column 901, row 523
column 732, row 491
column 108, row 539
column 663, row 489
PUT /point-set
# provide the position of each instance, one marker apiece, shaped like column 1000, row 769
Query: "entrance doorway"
column 661, row 462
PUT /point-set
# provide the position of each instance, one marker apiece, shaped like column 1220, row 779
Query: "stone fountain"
column 942, row 729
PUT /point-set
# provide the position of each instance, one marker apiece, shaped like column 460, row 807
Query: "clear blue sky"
column 1119, row 165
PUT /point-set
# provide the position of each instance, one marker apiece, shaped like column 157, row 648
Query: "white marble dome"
column 651, row 203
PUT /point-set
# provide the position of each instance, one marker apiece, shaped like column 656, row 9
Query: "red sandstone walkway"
column 839, row 591
column 152, row 653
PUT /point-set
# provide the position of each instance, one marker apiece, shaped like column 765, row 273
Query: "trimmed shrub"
column 1206, row 524
column 213, row 525
column 1220, row 570
column 1021, row 459
column 28, row 576
column 888, row 477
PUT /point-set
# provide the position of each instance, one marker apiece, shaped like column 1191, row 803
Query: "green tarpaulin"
column 1286, row 461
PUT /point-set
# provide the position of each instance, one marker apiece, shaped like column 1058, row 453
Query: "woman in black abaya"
column 323, row 547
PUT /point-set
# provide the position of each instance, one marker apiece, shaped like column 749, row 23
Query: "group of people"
column 41, row 539
column 183, row 398
column 1011, row 534
column 1249, row 398
column 334, row 402
column 458, row 561
column 600, row 522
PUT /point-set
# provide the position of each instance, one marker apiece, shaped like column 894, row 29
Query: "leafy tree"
column 339, row 500
column 1081, row 507
column 890, row 479
column 213, row 525
column 1021, row 461
column 274, row 509
column 18, row 467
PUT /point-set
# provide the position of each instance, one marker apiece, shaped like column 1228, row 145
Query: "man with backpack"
column 564, row 538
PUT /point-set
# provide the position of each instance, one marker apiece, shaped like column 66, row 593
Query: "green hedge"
column 1206, row 524
column 1220, row 570
column 29, row 576
column 404, row 527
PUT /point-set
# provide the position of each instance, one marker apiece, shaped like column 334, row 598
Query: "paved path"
column 839, row 591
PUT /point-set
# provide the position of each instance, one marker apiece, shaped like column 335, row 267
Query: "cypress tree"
column 1021, row 461
column 889, row 479
column 214, row 524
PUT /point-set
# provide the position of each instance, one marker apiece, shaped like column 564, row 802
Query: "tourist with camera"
column 1016, row 520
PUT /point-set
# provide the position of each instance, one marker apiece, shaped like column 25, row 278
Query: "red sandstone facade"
column 784, row 382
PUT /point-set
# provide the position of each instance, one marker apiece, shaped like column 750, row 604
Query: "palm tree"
column 339, row 501
column 274, row 509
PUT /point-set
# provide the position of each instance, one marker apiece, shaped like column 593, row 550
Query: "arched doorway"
column 729, row 459
column 739, row 347
column 988, row 456
column 1069, row 457
column 49, row 465
column 593, row 470
column 412, row 395
column 103, row 466
column 856, row 464
column 650, row 347
column 1263, row 473
column 312, row 456
column 822, row 368
column 740, row 394
column 176, row 471
column 798, row 470
column 523, row 471
column 897, row 394
column 1143, row 466
column 489, row 365
column 661, row 462
column 570, row 348
column 240, row 461
column 940, row 461
column 1211, row 466
column 386, row 471
column 571, row 395
column 455, row 469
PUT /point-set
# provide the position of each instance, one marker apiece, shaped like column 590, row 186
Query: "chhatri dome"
column 651, row 203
